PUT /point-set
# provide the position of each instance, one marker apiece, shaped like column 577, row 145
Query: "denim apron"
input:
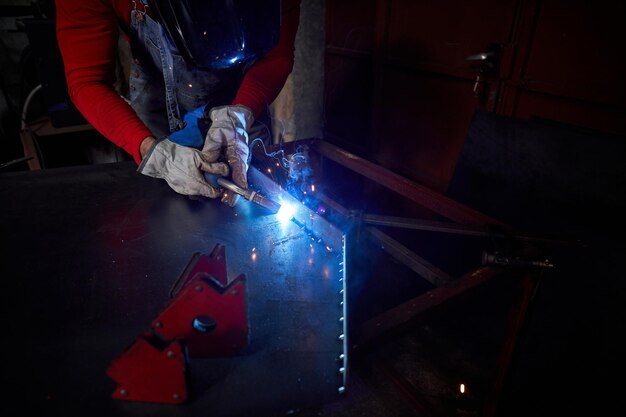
column 168, row 94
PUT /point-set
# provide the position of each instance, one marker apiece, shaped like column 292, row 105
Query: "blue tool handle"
column 212, row 179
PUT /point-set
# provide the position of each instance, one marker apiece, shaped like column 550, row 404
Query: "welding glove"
column 182, row 167
column 229, row 133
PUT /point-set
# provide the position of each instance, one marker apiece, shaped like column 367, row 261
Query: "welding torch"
column 245, row 193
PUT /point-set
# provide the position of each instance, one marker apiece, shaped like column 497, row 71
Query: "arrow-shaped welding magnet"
column 150, row 370
column 206, row 311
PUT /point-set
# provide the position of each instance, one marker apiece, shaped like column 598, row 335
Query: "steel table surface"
column 89, row 255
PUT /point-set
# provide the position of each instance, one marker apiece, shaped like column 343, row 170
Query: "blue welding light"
column 286, row 212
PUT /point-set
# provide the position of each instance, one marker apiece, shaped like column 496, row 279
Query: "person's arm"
column 260, row 86
column 87, row 32
column 145, row 145
column 263, row 82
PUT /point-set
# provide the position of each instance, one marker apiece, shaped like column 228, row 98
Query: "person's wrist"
column 145, row 145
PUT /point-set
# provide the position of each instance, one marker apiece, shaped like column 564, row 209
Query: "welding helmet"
column 219, row 34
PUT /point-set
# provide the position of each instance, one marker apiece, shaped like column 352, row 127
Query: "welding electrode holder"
column 247, row 194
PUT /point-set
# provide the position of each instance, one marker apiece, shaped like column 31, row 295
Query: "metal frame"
column 465, row 221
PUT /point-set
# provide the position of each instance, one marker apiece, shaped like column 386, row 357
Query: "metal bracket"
column 206, row 317
column 207, row 312
column 150, row 370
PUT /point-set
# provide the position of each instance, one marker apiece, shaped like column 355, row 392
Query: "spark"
column 253, row 249
column 326, row 273
column 253, row 257
column 285, row 213
column 312, row 188
column 190, row 85
column 462, row 388
column 269, row 170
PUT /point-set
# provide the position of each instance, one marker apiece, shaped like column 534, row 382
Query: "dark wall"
column 543, row 176
column 401, row 86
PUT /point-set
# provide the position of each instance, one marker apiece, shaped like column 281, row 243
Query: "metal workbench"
column 89, row 255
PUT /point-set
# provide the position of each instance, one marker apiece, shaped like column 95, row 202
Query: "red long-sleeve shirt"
column 88, row 32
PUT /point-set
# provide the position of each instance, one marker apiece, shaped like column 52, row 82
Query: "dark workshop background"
column 534, row 134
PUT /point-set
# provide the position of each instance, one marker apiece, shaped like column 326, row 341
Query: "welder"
column 202, row 72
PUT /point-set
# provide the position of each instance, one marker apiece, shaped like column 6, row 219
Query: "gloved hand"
column 229, row 132
column 182, row 167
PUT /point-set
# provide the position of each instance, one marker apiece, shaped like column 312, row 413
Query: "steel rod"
column 416, row 263
column 420, row 194
column 409, row 310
